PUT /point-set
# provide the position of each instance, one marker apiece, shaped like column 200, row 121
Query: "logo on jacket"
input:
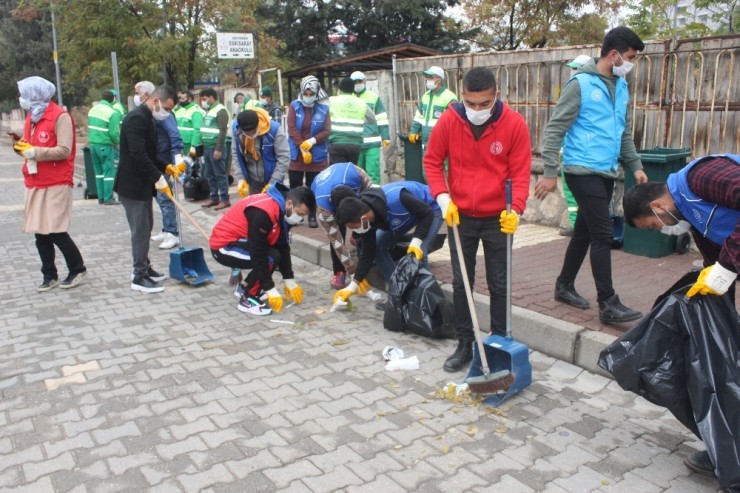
column 496, row 148
column 597, row 95
column 395, row 222
column 44, row 137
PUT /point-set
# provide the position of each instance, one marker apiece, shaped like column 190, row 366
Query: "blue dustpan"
column 188, row 264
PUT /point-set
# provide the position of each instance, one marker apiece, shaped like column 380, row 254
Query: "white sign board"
column 235, row 45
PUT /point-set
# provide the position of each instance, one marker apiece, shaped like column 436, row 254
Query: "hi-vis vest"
column 98, row 124
column 250, row 104
column 347, row 113
column 379, row 132
column 184, row 116
column 431, row 107
column 209, row 131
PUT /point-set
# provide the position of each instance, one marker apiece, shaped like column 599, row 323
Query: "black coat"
column 138, row 167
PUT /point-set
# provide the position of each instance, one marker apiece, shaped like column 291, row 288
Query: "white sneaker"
column 170, row 241
column 159, row 236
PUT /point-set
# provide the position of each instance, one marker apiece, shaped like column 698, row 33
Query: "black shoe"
column 73, row 280
column 156, row 276
column 612, row 311
column 47, row 285
column 566, row 293
column 460, row 358
column 146, row 285
column 380, row 306
column 699, row 463
column 112, row 202
column 312, row 221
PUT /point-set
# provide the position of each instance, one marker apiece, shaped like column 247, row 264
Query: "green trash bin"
column 91, row 187
column 658, row 163
column 412, row 155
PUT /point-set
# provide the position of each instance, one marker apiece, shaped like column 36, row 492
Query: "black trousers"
column 336, row 264
column 236, row 255
column 344, row 153
column 593, row 229
column 72, row 256
column 295, row 178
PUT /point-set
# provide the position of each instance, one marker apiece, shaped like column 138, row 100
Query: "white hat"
column 357, row 75
column 435, row 71
column 578, row 61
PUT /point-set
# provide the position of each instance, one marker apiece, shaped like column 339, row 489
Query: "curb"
column 562, row 340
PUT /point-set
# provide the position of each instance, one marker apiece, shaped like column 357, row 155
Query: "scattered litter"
column 320, row 311
column 282, row 322
column 391, row 353
column 340, row 342
column 411, row 363
column 343, row 305
column 374, row 294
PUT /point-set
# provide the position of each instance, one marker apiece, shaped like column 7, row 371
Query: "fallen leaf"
column 500, row 430
column 398, row 446
column 340, row 342
column 472, row 430
column 604, row 482
column 445, row 450
column 320, row 311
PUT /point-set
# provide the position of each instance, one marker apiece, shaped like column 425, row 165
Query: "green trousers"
column 105, row 162
column 370, row 162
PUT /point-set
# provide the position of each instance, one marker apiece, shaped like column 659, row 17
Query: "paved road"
column 104, row 389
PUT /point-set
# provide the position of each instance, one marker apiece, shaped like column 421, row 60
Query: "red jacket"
column 478, row 169
column 50, row 173
column 233, row 225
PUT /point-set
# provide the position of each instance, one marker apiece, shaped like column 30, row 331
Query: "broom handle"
column 471, row 306
column 179, row 220
column 192, row 220
column 509, row 241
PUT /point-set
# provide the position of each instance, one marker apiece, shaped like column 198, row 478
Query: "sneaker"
column 247, row 304
column 566, row 293
column 47, row 285
column 146, row 285
column 612, row 311
column 339, row 280
column 73, row 280
column 170, row 241
column 154, row 275
column 159, row 236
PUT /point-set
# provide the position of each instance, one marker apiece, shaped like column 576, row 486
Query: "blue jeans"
column 385, row 240
column 214, row 171
column 169, row 217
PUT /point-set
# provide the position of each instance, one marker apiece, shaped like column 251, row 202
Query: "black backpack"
column 195, row 186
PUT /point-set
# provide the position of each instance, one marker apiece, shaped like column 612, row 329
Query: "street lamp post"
column 56, row 56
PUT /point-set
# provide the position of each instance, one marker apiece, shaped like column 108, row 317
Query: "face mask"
column 263, row 101
column 293, row 218
column 364, row 228
column 478, row 117
column 431, row 85
column 250, row 135
column 25, row 103
column 677, row 229
column 308, row 100
column 359, row 88
column 137, row 100
column 160, row 114
column 623, row 69
column 205, row 105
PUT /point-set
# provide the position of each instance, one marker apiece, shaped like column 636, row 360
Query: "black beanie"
column 247, row 120
column 347, row 85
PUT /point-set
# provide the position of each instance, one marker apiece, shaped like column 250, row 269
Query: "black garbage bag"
column 195, row 187
column 416, row 303
column 684, row 356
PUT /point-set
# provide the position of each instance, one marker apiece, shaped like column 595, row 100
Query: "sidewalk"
column 103, row 389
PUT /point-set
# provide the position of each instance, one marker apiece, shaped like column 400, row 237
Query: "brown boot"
column 222, row 205
column 211, row 203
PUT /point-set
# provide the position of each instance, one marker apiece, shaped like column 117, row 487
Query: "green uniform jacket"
column 189, row 122
column 375, row 134
column 103, row 124
column 430, row 109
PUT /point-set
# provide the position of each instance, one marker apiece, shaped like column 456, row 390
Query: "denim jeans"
column 214, row 171
column 385, row 240
column 472, row 232
column 169, row 216
column 594, row 229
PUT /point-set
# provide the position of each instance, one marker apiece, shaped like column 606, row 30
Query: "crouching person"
column 253, row 235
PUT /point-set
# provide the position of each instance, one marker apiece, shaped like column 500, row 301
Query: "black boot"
column 699, row 463
column 461, row 357
column 566, row 293
column 312, row 220
column 612, row 311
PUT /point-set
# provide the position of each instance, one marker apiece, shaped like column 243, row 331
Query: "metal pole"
column 280, row 85
column 114, row 63
column 56, row 56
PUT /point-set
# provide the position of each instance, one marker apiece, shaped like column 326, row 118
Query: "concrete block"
column 588, row 347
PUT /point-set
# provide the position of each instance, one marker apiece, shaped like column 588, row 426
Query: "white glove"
column 312, row 140
column 443, row 200
column 161, row 184
column 179, row 159
column 290, row 283
column 720, row 279
column 29, row 154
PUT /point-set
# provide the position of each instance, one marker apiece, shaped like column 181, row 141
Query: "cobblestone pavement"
column 104, row 389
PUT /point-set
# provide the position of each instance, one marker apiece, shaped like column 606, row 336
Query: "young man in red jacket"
column 486, row 143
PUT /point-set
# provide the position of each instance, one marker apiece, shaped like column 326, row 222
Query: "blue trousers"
column 214, row 171
column 169, row 217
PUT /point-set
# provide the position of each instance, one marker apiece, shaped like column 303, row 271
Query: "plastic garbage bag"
column 684, row 356
column 195, row 187
column 416, row 303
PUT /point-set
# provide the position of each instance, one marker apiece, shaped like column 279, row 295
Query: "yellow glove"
column 192, row 152
column 175, row 170
column 24, row 149
column 163, row 187
column 275, row 300
column 344, row 294
column 714, row 279
column 386, row 143
column 306, row 145
column 293, row 291
column 414, row 138
column 363, row 287
column 265, row 188
column 448, row 208
column 307, row 157
column 415, row 248
column 509, row 221
column 242, row 188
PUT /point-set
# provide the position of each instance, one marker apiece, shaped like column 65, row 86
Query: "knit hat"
column 266, row 91
column 347, row 85
column 247, row 120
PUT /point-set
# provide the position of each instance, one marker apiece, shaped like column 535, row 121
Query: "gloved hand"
column 509, row 221
column 344, row 294
column 24, row 149
column 414, row 138
column 265, row 188
column 714, row 279
column 385, row 143
column 242, row 188
column 363, row 286
column 192, row 152
column 307, row 157
column 175, row 170
column 293, row 291
column 415, row 248
column 163, row 187
column 275, row 300
column 449, row 209
column 306, row 145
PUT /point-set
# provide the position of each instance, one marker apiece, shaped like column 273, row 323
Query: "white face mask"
column 137, row 100
column 364, row 227
column 308, row 100
column 25, row 103
column 205, row 105
column 293, row 218
column 263, row 101
column 623, row 69
column 677, row 229
column 478, row 117
column 431, row 85
column 160, row 114
column 359, row 88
